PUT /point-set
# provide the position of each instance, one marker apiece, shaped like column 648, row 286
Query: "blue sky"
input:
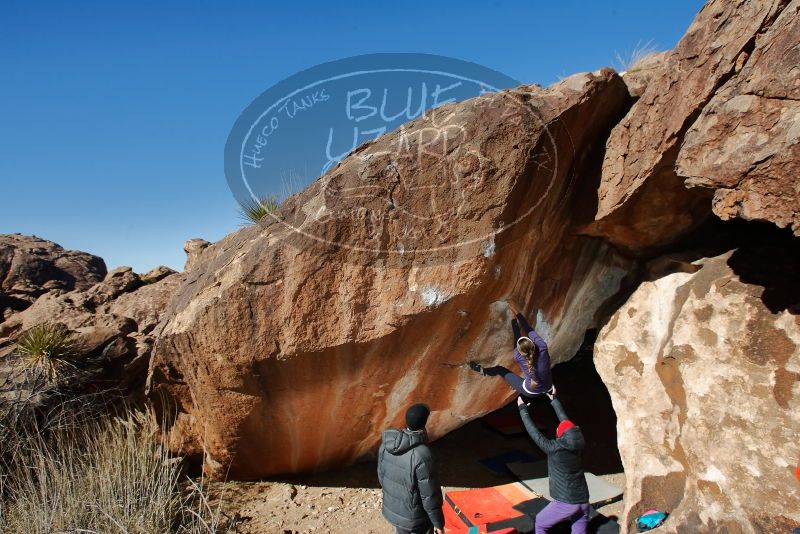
column 114, row 115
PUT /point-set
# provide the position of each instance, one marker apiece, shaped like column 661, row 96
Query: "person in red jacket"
column 568, row 486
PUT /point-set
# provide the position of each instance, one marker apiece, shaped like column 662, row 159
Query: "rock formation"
column 644, row 71
column 294, row 342
column 337, row 309
column 111, row 320
column 193, row 248
column 745, row 145
column 721, row 112
column 30, row 267
column 290, row 344
column 703, row 366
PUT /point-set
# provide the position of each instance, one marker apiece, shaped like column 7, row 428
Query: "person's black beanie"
column 417, row 416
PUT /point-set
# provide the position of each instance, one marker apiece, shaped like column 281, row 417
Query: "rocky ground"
column 349, row 500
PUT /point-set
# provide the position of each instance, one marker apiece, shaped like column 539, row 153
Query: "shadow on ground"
column 585, row 398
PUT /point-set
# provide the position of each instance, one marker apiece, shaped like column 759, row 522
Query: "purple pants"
column 513, row 380
column 557, row 511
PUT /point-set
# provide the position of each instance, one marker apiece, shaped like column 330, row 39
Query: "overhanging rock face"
column 695, row 134
column 293, row 343
column 745, row 146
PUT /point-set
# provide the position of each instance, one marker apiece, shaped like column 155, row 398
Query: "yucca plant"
column 50, row 349
column 253, row 211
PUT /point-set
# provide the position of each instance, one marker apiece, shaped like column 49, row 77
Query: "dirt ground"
column 348, row 500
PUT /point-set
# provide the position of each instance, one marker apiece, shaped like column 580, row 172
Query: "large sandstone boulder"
column 30, row 267
column 703, row 367
column 292, row 344
column 721, row 71
column 745, row 146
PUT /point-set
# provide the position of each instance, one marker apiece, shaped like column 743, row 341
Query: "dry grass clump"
column 74, row 459
column 641, row 52
column 108, row 475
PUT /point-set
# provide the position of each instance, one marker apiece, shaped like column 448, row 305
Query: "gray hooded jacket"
column 567, row 483
column 412, row 496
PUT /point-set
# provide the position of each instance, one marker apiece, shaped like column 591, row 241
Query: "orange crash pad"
column 496, row 510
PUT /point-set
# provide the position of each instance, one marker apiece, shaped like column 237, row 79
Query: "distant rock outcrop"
column 112, row 319
column 703, row 366
column 717, row 119
column 293, row 343
column 146, row 304
column 30, row 267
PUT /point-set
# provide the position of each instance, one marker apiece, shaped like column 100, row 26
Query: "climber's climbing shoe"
column 475, row 366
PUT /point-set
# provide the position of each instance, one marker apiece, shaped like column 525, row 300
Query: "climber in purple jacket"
column 530, row 352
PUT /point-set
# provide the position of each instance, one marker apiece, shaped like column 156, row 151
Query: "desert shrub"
column 103, row 476
column 49, row 349
column 200, row 516
column 75, row 458
column 253, row 211
column 291, row 185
